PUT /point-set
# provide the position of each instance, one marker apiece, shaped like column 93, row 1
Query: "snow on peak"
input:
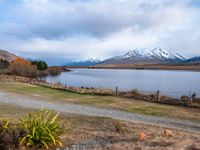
column 168, row 54
column 151, row 53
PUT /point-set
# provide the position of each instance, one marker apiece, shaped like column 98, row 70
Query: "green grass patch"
column 34, row 89
column 54, row 93
column 148, row 110
column 124, row 104
column 95, row 101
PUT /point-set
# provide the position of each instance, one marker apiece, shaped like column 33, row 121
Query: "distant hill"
column 193, row 60
column 145, row 56
column 5, row 58
column 5, row 55
column 83, row 63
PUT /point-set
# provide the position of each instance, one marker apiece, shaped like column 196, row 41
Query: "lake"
column 173, row 83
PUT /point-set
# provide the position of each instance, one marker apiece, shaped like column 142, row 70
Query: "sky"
column 59, row 31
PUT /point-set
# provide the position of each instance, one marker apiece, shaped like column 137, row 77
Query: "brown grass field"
column 98, row 133
column 191, row 67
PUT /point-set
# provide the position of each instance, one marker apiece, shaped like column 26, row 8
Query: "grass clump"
column 42, row 129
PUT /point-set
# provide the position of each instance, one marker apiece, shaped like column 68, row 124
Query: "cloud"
column 59, row 19
column 77, row 29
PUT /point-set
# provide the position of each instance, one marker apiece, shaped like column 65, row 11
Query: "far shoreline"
column 159, row 67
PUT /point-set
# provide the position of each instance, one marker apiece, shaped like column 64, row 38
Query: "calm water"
column 174, row 83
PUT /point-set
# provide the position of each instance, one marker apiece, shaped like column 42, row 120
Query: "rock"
column 142, row 136
column 168, row 132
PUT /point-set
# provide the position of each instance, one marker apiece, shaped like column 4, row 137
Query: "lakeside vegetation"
column 31, row 69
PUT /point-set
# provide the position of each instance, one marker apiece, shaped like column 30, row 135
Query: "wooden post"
column 116, row 91
column 158, row 96
column 100, row 90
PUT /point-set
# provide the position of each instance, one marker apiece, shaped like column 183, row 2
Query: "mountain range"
column 136, row 56
column 84, row 63
column 146, row 56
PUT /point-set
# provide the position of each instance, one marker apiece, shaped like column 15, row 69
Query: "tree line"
column 41, row 65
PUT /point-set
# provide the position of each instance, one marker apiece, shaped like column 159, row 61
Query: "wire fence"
column 188, row 100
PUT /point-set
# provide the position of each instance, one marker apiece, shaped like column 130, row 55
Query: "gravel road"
column 24, row 101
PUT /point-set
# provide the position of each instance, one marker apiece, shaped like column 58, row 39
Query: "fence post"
column 116, row 91
column 100, row 90
column 158, row 96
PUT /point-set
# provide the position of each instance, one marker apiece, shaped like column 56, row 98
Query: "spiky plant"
column 42, row 129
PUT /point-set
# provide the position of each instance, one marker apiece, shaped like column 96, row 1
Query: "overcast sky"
column 63, row 30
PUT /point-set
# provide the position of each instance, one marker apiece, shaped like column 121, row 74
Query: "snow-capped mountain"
column 86, row 62
column 136, row 56
column 146, row 56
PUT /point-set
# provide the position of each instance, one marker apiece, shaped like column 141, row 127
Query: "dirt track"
column 27, row 102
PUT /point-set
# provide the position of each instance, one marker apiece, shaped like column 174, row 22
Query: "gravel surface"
column 24, row 101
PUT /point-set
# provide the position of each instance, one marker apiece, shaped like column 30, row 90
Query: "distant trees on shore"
column 41, row 65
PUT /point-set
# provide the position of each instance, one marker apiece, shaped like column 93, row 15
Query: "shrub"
column 9, row 135
column 22, row 67
column 185, row 100
column 42, row 130
column 53, row 71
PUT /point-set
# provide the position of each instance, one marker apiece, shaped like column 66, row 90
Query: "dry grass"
column 192, row 67
column 129, row 105
column 12, row 112
column 107, row 134
column 111, row 134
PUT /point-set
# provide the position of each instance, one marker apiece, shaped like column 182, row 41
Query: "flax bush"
column 42, row 129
